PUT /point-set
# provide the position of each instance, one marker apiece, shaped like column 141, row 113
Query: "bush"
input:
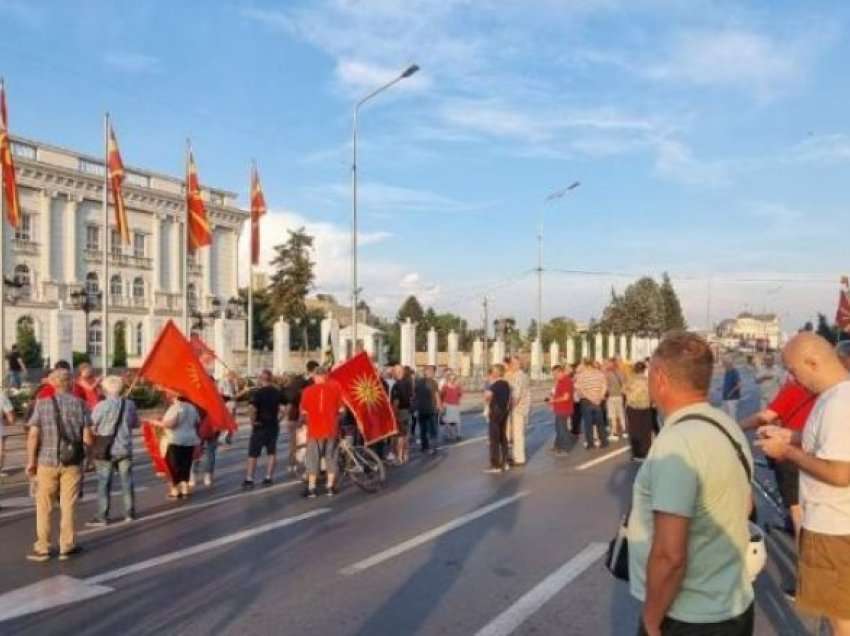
column 119, row 356
column 21, row 401
column 29, row 347
column 77, row 358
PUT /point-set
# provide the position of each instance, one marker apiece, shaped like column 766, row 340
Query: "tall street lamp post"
column 410, row 70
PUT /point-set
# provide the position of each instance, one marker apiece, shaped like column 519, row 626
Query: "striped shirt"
column 591, row 385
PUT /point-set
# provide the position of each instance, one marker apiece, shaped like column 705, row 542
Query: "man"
column 427, row 401
column 87, row 385
column 688, row 531
column 294, row 390
column 228, row 389
column 731, row 389
column 7, row 416
column 843, row 351
column 52, row 478
column 614, row 405
column 320, row 406
column 267, row 403
column 114, row 418
column 562, row 406
column 769, row 380
column 591, row 386
column 520, row 409
column 823, row 457
column 16, row 365
column 401, row 397
column 498, row 399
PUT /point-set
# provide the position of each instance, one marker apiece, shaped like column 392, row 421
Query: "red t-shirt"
column 451, row 394
column 563, row 389
column 89, row 393
column 793, row 404
column 321, row 404
column 48, row 391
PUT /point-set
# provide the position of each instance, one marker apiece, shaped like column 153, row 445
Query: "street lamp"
column 87, row 301
column 410, row 70
column 202, row 318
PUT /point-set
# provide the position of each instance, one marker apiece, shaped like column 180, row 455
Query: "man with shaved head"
column 822, row 453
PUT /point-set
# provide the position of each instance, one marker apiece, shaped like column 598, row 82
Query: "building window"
column 139, row 245
column 115, row 242
column 140, row 339
column 24, row 231
column 92, row 237
column 92, row 284
column 137, row 179
column 192, row 294
column 91, row 167
column 23, row 277
column 95, row 339
column 116, row 287
column 23, row 150
column 139, row 288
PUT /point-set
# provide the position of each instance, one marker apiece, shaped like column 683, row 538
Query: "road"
column 444, row 549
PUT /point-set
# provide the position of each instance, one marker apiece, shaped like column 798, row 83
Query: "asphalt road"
column 443, row 549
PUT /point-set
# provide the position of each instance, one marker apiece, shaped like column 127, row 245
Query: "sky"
column 710, row 138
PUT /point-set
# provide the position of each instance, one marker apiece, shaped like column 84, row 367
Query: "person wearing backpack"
column 58, row 431
column 113, row 421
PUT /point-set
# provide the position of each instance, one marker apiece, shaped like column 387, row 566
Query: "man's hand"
column 774, row 447
column 651, row 630
column 31, row 470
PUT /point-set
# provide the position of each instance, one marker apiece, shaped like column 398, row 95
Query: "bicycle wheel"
column 365, row 468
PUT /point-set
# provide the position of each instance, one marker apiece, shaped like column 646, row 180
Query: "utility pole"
column 484, row 352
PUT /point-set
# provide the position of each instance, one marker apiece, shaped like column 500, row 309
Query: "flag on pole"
column 115, row 169
column 258, row 209
column 173, row 365
column 842, row 316
column 198, row 229
column 364, row 394
column 7, row 165
column 202, row 350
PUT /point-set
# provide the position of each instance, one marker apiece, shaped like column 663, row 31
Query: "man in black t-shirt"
column 401, row 397
column 498, row 398
column 426, row 397
column 293, row 391
column 267, row 402
column 16, row 367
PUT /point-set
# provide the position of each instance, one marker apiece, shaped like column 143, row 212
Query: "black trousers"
column 575, row 420
column 498, row 439
column 179, row 460
column 742, row 625
column 640, row 424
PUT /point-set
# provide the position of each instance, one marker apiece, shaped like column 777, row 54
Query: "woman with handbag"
column 180, row 423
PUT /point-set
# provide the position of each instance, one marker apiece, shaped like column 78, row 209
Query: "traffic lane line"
column 508, row 621
column 26, row 506
column 430, row 535
column 603, row 458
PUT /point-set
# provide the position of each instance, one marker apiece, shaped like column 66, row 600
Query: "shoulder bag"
column 70, row 451
column 102, row 446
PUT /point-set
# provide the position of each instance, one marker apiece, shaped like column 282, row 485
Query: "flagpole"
column 107, row 288
column 3, row 264
column 251, row 277
column 185, row 248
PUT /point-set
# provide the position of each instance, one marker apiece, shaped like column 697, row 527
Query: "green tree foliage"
column 264, row 317
column 674, row 319
column 558, row 330
column 293, row 276
column 410, row 308
column 119, row 353
column 644, row 307
column 309, row 327
column 29, row 347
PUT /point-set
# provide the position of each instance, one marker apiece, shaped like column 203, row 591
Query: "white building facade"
column 57, row 253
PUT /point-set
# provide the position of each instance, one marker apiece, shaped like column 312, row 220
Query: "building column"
column 624, row 346
column 478, row 356
column 536, row 359
column 554, row 354
column 571, row 350
column 453, row 348
column 597, row 347
column 206, row 265
column 175, row 263
column 432, row 347
column 72, row 240
column 45, row 231
column 408, row 344
column 234, row 279
column 156, row 259
column 612, row 345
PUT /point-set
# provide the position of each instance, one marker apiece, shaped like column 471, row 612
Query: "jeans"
column 105, row 470
column 427, row 429
column 210, row 451
column 498, row 439
column 563, row 438
column 15, row 379
column 730, row 407
column 592, row 416
column 741, row 625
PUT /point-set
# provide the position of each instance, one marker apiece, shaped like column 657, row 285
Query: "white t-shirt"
column 5, row 407
column 826, row 508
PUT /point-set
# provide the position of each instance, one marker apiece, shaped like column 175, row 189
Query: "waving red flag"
column 115, row 168
column 364, row 394
column 842, row 316
column 173, row 364
column 201, row 350
column 7, row 165
column 258, row 209
column 198, row 234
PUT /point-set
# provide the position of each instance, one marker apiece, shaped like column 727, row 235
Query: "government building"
column 53, row 261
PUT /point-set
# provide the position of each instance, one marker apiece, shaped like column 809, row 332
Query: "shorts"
column 263, row 437
column 452, row 414
column 788, row 481
column 403, row 421
column 823, row 586
column 316, row 450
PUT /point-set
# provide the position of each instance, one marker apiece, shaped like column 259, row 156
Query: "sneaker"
column 267, row 481
column 625, row 436
column 38, row 557
column 586, row 445
column 247, row 484
column 492, row 471
column 309, row 493
column 192, row 482
column 130, row 518
column 330, row 492
column 613, row 438
column 97, row 523
column 208, row 480
column 790, row 594
column 506, row 468
column 64, row 556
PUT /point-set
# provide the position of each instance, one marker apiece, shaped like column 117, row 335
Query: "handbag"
column 102, row 446
column 70, row 451
column 617, row 557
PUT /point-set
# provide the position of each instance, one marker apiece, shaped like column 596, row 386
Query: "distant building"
column 327, row 304
column 751, row 330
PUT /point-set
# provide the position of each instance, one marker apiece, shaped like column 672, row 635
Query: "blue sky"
column 710, row 138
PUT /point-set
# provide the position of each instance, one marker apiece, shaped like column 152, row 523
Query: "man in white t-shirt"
column 822, row 453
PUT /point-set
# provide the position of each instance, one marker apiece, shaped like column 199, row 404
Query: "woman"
column 450, row 396
column 180, row 423
column 640, row 415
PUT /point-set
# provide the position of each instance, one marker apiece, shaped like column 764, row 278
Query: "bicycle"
column 359, row 463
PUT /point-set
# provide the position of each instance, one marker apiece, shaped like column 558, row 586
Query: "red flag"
column 258, row 209
column 201, row 350
column 172, row 364
column 115, row 168
column 7, row 165
column 198, row 234
column 842, row 316
column 152, row 437
column 364, row 394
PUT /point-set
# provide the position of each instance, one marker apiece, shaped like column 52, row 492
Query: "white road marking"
column 52, row 592
column 471, row 440
column 26, row 505
column 509, row 620
column 604, row 458
column 202, row 547
column 430, row 535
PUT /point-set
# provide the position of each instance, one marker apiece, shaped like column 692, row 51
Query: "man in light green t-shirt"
column 688, row 531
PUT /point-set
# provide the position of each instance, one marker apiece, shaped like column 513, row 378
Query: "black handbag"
column 70, row 451
column 102, row 446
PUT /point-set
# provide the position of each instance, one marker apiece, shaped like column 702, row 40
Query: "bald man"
column 822, row 453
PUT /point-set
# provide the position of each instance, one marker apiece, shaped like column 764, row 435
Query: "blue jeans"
column 15, row 379
column 592, row 416
column 105, row 470
column 563, row 438
column 210, row 450
column 427, row 430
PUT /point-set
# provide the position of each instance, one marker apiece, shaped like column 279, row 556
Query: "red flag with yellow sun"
column 364, row 394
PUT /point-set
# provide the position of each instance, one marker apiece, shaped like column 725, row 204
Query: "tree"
column 410, row 308
column 640, row 309
column 293, row 277
column 264, row 317
column 28, row 346
column 558, row 330
column 119, row 354
column 674, row 320
column 532, row 330
column 825, row 330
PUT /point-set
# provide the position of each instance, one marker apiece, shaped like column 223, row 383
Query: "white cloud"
column 381, row 199
column 361, row 77
column 675, row 161
column 132, row 62
column 829, row 148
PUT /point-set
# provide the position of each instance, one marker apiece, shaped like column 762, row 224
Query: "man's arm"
column 762, row 418
column 665, row 569
column 33, row 441
column 830, row 471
